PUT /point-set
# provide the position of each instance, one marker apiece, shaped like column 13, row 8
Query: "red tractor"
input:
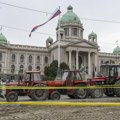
column 109, row 75
column 71, row 79
column 34, row 79
column 30, row 78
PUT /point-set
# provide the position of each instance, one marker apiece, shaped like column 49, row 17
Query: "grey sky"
column 97, row 9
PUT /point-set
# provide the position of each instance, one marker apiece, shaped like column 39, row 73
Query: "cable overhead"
column 44, row 33
column 34, row 10
column 24, row 8
column 24, row 30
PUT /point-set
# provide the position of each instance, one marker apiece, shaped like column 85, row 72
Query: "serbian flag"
column 57, row 12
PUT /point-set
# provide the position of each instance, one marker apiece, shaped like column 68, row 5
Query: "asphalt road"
column 33, row 112
column 65, row 98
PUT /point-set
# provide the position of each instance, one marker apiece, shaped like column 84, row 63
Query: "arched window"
column 38, row 68
column 30, row 68
column 30, row 59
column 46, row 59
column 12, row 68
column 0, row 56
column 22, row 58
column 38, row 59
column 21, row 68
column 13, row 57
column 0, row 67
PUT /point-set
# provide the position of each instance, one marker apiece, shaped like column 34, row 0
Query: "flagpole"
column 58, row 77
column 59, row 41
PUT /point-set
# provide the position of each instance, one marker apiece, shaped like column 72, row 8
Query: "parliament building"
column 74, row 50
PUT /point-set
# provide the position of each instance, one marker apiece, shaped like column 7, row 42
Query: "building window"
column 30, row 59
column 0, row 56
column 12, row 68
column 22, row 58
column 30, row 68
column 38, row 59
column 101, row 61
column 38, row 68
column 74, row 31
column 0, row 68
column 46, row 59
column 66, row 31
column 21, row 69
column 13, row 57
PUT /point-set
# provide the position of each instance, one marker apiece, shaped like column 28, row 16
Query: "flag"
column 57, row 12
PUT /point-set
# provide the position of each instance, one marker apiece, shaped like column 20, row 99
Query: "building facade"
column 74, row 50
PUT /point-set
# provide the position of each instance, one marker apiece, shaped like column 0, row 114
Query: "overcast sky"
column 108, row 10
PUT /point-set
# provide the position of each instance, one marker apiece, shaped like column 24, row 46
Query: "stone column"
column 89, row 64
column 66, row 57
column 17, row 61
column 96, row 66
column 34, row 61
column 6, row 62
column 42, row 64
column 70, row 59
column 8, row 66
column 84, row 60
column 96, row 59
column 26, row 62
column 77, row 60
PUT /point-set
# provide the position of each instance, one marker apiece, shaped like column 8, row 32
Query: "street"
column 38, row 112
column 65, row 98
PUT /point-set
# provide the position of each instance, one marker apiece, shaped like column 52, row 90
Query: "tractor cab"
column 30, row 77
column 72, row 78
column 111, row 72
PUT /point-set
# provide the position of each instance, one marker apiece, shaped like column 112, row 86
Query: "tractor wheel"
column 117, row 90
column 96, row 93
column 106, row 92
column 39, row 94
column 31, row 97
column 71, row 96
column 81, row 93
column 55, row 95
column 12, row 96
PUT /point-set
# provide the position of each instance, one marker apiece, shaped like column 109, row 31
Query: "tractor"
column 74, row 79
column 34, row 79
column 29, row 79
column 109, row 75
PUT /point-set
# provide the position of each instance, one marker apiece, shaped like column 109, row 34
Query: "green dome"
column 93, row 34
column 61, row 30
column 69, row 16
column 49, row 39
column 3, row 39
column 117, row 50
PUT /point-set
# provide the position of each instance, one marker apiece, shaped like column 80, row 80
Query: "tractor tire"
column 12, row 96
column 105, row 90
column 39, row 94
column 71, row 96
column 117, row 90
column 80, row 93
column 96, row 93
column 55, row 95
column 31, row 97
